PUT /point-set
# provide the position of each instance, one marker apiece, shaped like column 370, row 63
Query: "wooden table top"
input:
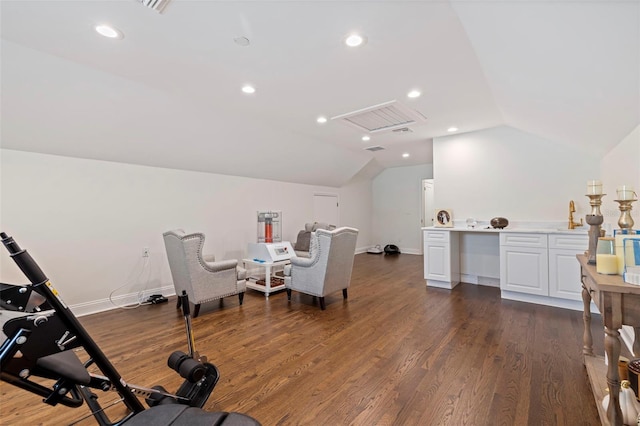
column 610, row 283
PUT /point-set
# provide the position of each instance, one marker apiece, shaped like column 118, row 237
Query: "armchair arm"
column 304, row 262
column 221, row 265
column 241, row 273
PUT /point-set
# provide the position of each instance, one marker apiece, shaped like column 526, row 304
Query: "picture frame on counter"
column 443, row 218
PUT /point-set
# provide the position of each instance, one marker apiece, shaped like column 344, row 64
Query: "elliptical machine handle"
column 25, row 262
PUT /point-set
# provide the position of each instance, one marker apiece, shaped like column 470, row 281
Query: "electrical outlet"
column 145, row 252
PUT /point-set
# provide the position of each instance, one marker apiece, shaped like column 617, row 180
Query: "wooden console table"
column 619, row 303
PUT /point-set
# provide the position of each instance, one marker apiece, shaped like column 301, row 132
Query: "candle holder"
column 626, row 221
column 594, row 219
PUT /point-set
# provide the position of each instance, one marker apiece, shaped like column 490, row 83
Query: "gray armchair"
column 328, row 268
column 200, row 276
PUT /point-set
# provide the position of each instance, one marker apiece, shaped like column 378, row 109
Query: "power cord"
column 146, row 265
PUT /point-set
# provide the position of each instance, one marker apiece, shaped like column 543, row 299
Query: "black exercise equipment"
column 41, row 333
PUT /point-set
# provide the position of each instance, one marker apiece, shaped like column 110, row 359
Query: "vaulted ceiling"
column 168, row 93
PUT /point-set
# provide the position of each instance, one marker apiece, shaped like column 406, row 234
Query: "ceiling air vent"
column 386, row 116
column 157, row 5
column 374, row 148
column 402, row 130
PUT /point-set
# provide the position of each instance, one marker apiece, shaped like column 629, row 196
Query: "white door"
column 325, row 208
column 427, row 202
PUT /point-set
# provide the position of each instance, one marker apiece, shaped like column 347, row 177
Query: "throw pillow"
column 303, row 241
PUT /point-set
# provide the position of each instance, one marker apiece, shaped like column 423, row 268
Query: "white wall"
column 506, row 172
column 86, row 221
column 397, row 209
column 355, row 207
column 621, row 166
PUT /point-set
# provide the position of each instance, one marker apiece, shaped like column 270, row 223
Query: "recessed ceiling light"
column 355, row 40
column 414, row 94
column 109, row 31
column 452, row 129
column 366, row 138
column 405, row 155
column 322, row 120
column 248, row 89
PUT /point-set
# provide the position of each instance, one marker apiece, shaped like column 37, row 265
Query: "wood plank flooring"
column 395, row 353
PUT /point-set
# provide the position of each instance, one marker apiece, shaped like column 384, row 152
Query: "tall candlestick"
column 595, row 219
column 625, row 221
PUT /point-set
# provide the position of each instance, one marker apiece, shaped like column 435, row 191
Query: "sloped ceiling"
column 168, row 94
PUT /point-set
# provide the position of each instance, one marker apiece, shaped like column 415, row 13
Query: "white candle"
column 606, row 264
column 626, row 192
column 594, row 187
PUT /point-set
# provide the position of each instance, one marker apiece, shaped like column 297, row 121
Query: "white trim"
column 548, row 301
column 413, row 251
column 131, row 299
column 449, row 285
column 479, row 280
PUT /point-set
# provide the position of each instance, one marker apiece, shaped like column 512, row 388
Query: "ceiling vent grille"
column 157, row 5
column 402, row 130
column 386, row 116
column 374, row 148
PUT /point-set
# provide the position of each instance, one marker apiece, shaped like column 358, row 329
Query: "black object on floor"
column 391, row 249
column 156, row 299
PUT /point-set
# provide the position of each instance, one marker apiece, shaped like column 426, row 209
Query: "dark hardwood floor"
column 395, row 353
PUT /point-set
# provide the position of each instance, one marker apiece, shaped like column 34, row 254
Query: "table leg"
column 587, row 339
column 267, row 280
column 612, row 349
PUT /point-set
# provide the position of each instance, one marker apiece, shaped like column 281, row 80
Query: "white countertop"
column 583, row 230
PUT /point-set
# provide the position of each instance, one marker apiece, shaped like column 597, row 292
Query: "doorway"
column 427, row 203
column 325, row 208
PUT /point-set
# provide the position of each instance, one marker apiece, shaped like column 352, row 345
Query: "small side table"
column 269, row 268
column 618, row 303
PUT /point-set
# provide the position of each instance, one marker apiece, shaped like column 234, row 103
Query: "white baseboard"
column 448, row 285
column 548, row 301
column 475, row 279
column 410, row 251
column 125, row 300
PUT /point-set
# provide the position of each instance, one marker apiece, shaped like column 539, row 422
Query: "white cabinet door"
column 441, row 258
column 437, row 261
column 524, row 263
column 564, row 274
column 564, row 270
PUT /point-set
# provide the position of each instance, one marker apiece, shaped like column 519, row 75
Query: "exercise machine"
column 42, row 337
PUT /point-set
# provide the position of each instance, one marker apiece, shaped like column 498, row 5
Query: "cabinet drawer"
column 523, row 239
column 436, row 236
column 565, row 241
